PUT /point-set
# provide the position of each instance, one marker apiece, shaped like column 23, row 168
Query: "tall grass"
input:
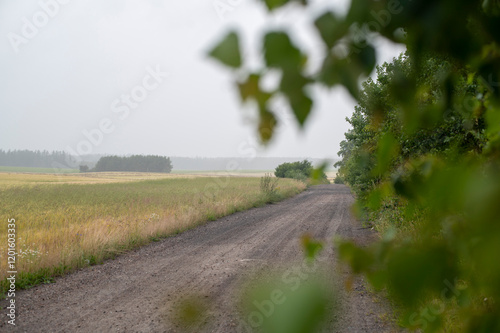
column 61, row 227
column 269, row 186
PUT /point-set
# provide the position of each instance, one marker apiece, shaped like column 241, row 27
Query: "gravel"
column 140, row 291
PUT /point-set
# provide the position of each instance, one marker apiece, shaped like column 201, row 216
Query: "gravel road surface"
column 139, row 290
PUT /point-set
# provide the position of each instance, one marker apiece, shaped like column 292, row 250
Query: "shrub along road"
column 141, row 290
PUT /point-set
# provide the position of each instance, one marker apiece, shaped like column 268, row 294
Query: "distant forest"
column 134, row 163
column 36, row 159
column 60, row 159
column 241, row 163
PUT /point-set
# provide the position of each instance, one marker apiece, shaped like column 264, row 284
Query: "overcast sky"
column 69, row 73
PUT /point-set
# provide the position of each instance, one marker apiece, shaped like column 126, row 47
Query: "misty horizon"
column 134, row 78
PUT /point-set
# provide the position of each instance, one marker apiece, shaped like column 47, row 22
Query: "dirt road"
column 137, row 291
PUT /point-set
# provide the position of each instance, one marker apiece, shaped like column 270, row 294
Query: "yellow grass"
column 10, row 179
column 30, row 179
column 69, row 221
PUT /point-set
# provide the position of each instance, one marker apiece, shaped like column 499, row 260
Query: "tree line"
column 134, row 163
column 35, row 159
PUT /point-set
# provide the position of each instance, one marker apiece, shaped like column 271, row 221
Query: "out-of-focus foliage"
column 423, row 153
column 311, row 246
column 190, row 313
column 287, row 304
column 228, row 51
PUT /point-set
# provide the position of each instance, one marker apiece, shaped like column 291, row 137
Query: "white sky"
column 65, row 77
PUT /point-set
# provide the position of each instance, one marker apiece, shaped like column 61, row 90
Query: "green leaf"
column 287, row 304
column 310, row 246
column 387, row 149
column 228, row 51
column 330, row 28
column 359, row 259
column 293, row 82
column 359, row 11
column 251, row 89
column 348, row 78
column 367, row 59
column 377, row 279
column 318, row 175
column 329, row 75
column 273, row 4
column 301, row 106
column 189, row 311
column 267, row 124
column 491, row 7
column 414, row 270
column 279, row 52
column 303, row 312
column 493, row 119
column 347, row 71
column 292, row 85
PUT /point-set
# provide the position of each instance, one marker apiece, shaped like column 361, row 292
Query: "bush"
column 296, row 174
column 285, row 170
column 302, row 171
column 338, row 180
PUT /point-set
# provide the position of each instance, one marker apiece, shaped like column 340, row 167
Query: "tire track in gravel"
column 137, row 291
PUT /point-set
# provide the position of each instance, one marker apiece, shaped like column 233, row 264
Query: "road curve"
column 137, row 291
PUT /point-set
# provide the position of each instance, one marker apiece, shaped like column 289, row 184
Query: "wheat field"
column 69, row 221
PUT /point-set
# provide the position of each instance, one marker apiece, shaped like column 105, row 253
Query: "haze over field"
column 131, row 77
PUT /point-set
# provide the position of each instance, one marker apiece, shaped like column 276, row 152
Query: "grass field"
column 212, row 173
column 30, row 179
column 9, row 179
column 70, row 221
